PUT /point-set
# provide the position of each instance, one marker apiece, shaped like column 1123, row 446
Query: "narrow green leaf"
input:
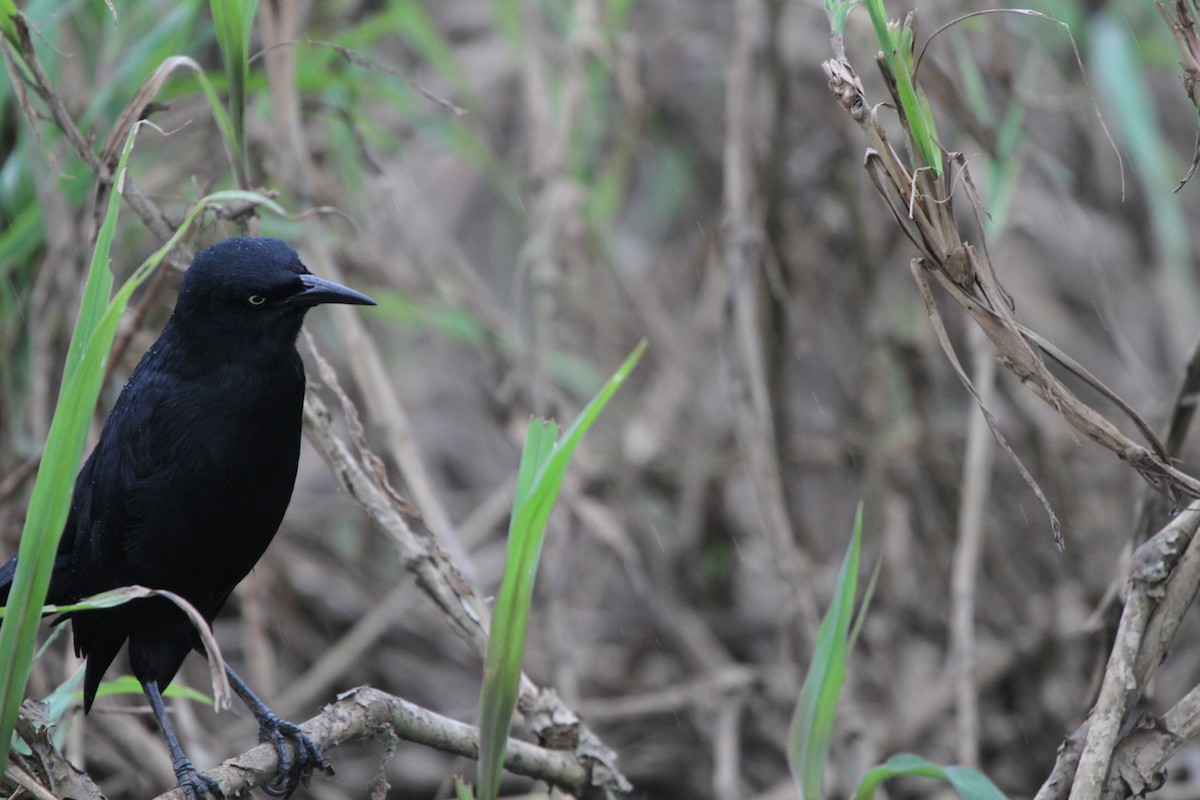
column 816, row 710
column 543, row 465
column 461, row 790
column 539, row 441
column 896, row 43
column 51, row 498
column 127, row 684
column 837, row 11
column 8, row 10
column 233, row 21
column 878, row 15
column 970, row 784
column 912, row 99
column 865, row 605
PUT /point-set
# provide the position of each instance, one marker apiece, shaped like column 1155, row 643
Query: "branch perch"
column 365, row 713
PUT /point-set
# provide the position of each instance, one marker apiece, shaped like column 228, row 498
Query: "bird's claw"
column 196, row 785
column 278, row 732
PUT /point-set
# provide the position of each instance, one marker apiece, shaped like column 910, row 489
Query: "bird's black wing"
column 108, row 512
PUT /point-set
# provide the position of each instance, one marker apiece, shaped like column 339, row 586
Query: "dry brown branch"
column 36, row 79
column 42, row 86
column 366, row 713
column 1183, row 27
column 366, row 62
column 1137, row 767
column 977, row 471
column 726, row 749
column 919, row 267
column 743, row 234
column 921, row 203
column 1109, row 712
column 1163, row 580
column 44, row 773
column 701, row 692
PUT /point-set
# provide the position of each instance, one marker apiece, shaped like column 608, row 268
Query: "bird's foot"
column 308, row 756
column 195, row 784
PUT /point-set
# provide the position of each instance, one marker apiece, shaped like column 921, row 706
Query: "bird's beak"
column 318, row 291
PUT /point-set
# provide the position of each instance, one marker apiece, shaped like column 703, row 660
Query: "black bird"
column 191, row 477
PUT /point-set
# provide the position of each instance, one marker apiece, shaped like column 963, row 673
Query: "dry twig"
column 922, row 204
column 1183, row 27
column 365, row 713
column 1163, row 581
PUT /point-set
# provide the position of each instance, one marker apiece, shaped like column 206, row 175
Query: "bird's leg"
column 195, row 784
column 277, row 731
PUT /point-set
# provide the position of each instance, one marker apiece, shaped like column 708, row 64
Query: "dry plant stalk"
column 367, row 713
column 1097, row 761
column 922, row 203
column 1101, row 759
column 1182, row 23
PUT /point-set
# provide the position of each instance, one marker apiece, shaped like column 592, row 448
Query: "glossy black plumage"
column 193, row 470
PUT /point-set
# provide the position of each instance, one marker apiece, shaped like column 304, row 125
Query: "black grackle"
column 191, row 477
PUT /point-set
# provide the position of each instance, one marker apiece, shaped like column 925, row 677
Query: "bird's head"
column 254, row 287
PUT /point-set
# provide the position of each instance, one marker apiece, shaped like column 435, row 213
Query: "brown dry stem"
column 922, row 204
column 745, row 258
column 1163, row 581
column 1181, row 19
column 366, row 713
column 1097, row 760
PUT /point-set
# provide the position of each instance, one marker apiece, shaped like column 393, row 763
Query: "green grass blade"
column 8, row 10
column 233, row 21
column 896, row 42
column 462, row 791
column 970, row 784
column 51, row 498
column 837, row 12
column 912, row 100
column 506, row 646
column 127, row 684
column 878, row 15
column 865, row 605
column 543, row 465
column 816, row 710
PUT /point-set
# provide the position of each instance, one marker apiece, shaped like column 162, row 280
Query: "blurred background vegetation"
column 529, row 188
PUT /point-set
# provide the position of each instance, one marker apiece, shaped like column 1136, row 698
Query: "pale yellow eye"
column 256, row 299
